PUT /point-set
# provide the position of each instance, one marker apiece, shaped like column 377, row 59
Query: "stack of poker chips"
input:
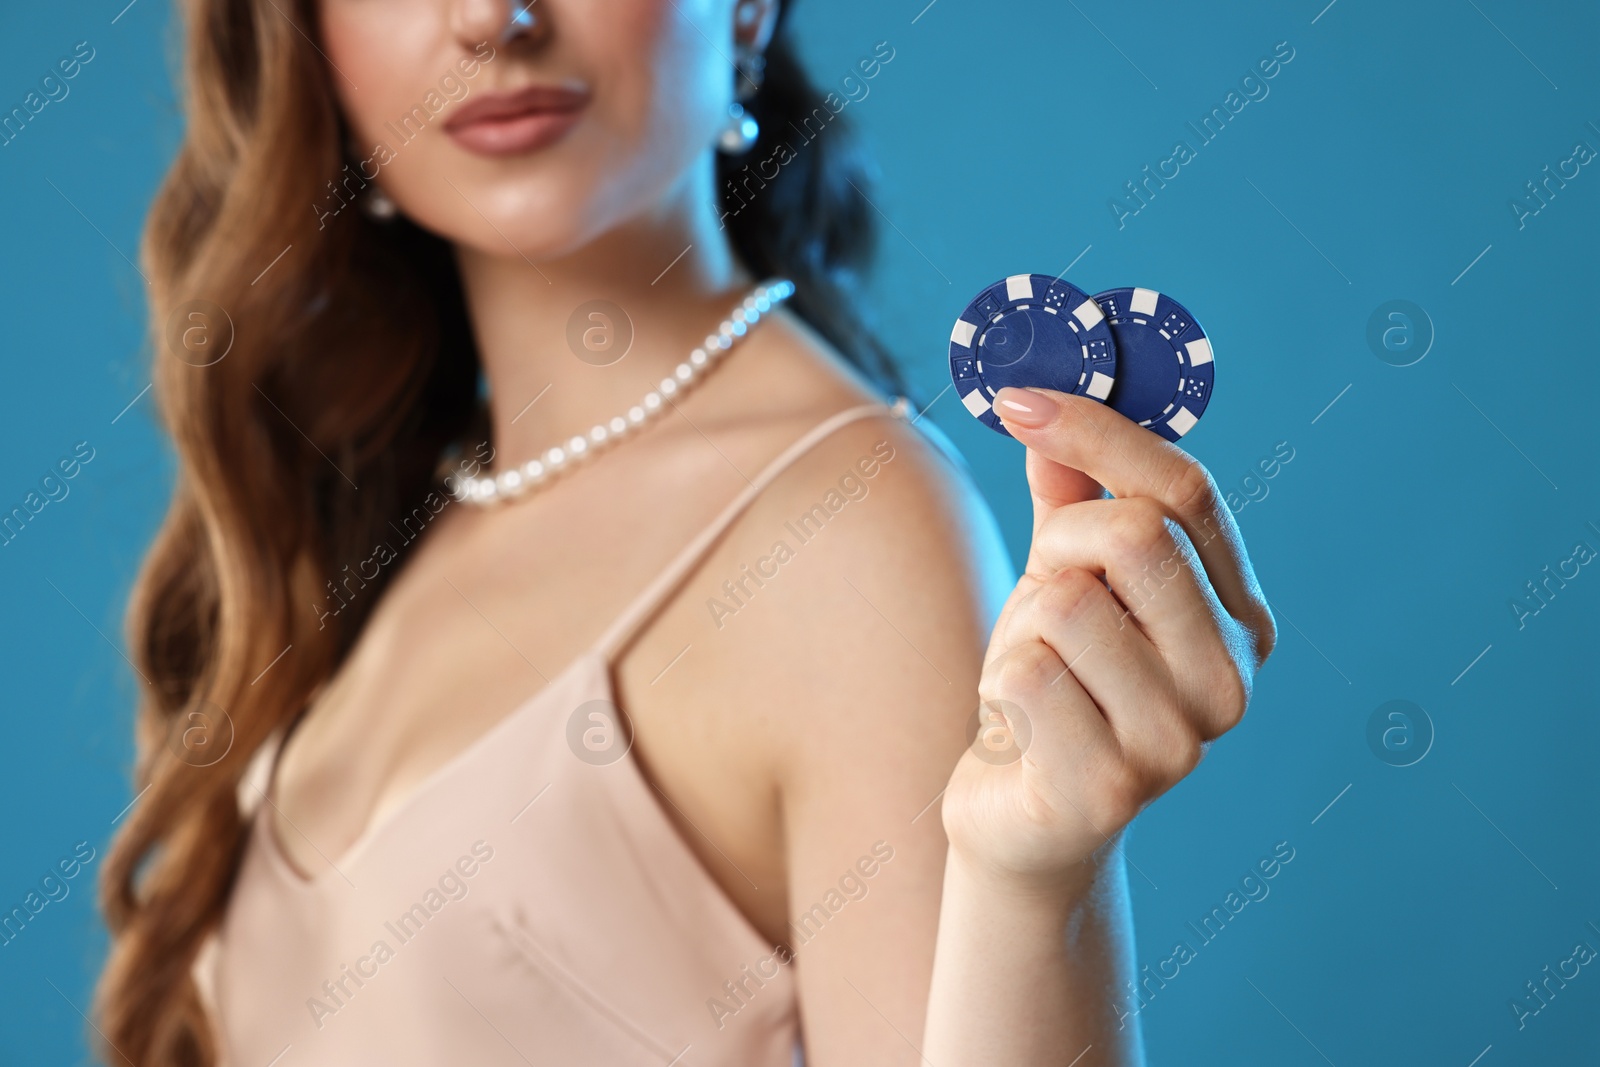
column 1136, row 350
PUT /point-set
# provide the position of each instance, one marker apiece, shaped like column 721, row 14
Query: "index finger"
column 1129, row 460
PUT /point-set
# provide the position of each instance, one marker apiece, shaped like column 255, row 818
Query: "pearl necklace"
column 490, row 488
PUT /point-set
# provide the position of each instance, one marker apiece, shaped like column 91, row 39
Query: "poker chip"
column 1030, row 330
column 1164, row 368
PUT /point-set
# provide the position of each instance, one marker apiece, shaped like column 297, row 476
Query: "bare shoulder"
column 848, row 608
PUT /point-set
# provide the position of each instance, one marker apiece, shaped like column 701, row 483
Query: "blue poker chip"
column 1164, row 361
column 1030, row 330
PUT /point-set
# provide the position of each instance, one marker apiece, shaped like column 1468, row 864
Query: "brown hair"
column 350, row 371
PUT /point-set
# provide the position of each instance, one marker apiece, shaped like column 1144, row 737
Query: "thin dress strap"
column 655, row 594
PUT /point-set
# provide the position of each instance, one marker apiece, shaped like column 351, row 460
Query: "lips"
column 503, row 124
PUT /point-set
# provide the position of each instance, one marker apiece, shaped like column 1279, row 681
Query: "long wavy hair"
column 350, row 365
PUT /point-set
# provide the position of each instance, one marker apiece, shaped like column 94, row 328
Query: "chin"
column 541, row 216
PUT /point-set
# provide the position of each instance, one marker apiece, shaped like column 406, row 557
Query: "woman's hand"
column 1129, row 644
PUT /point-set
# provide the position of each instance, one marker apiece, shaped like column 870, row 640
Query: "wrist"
column 1028, row 967
column 1043, row 893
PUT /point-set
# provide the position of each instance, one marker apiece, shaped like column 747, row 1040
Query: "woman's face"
column 618, row 101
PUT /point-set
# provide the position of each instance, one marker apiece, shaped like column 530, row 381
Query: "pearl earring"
column 377, row 205
column 738, row 134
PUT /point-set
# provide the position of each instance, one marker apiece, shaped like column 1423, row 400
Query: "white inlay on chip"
column 1089, row 314
column 976, row 402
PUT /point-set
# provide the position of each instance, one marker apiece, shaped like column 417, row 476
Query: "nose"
column 523, row 19
column 500, row 22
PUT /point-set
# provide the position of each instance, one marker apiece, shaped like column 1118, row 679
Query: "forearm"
column 1032, row 977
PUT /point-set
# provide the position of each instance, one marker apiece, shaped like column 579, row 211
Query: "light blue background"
column 1416, row 508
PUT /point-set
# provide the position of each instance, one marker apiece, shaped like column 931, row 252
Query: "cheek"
column 665, row 84
column 383, row 58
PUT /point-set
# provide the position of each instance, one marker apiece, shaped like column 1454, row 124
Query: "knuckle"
column 1069, row 593
column 1123, row 793
column 1228, row 697
column 1181, row 746
column 1016, row 622
column 1022, row 674
column 1191, row 750
column 1236, row 699
column 1181, row 754
column 1141, row 529
column 1265, row 633
column 1192, row 491
column 1171, row 749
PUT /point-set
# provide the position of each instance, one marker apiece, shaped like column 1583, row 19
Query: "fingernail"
column 1024, row 407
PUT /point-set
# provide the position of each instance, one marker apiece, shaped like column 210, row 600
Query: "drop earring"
column 377, row 205
column 738, row 134
column 740, row 130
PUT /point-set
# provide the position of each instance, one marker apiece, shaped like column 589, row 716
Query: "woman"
column 396, row 812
